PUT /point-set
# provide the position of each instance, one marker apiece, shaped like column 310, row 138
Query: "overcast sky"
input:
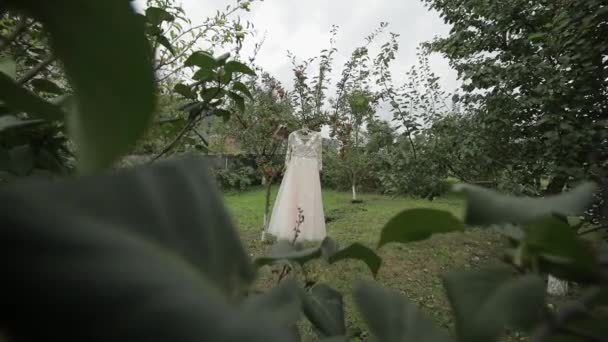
column 303, row 28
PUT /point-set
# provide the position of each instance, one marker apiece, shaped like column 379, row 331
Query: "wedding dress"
column 299, row 202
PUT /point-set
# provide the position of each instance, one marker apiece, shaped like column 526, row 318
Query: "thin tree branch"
column 593, row 230
column 179, row 136
column 205, row 142
column 36, row 70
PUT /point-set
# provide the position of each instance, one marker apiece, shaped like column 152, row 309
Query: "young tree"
column 537, row 72
column 353, row 105
column 259, row 130
column 309, row 95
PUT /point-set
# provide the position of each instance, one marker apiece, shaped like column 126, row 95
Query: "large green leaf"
column 10, row 121
column 323, row 307
column 238, row 100
column 21, row 160
column 486, row 207
column 213, row 93
column 283, row 303
column 418, row 224
column 46, row 86
column 108, row 61
column 591, row 325
column 143, row 254
column 184, row 91
column 358, row 251
column 162, row 40
column 234, row 66
column 239, row 86
column 487, row 300
column 563, row 252
column 201, row 59
column 285, row 251
column 393, row 318
column 328, row 250
column 204, row 75
column 156, row 15
column 19, row 99
column 8, row 67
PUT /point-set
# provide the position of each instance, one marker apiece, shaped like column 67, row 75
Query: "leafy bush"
column 239, row 178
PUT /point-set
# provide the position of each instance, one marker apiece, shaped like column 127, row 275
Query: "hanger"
column 305, row 129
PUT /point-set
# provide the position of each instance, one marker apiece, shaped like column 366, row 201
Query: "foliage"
column 536, row 73
column 354, row 105
column 176, row 44
column 309, row 94
column 261, row 129
column 173, row 266
column 239, row 179
column 129, row 91
column 174, row 37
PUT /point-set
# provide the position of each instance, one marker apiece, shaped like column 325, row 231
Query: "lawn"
column 414, row 269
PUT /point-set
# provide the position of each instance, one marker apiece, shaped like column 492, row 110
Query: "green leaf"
column 201, row 59
column 162, row 40
column 324, row 308
column 393, row 318
column 592, row 325
column 164, row 269
column 487, row 300
column 225, row 114
column 234, row 66
column 418, row 224
column 283, row 250
column 185, row 91
column 204, row 75
column 282, row 303
column 358, row 251
column 10, row 121
column 487, row 207
column 46, row 86
column 157, row 15
column 8, row 67
column 21, row 160
column 238, row 100
column 109, row 63
column 537, row 36
column 19, row 99
column 213, row 93
column 238, row 86
column 566, row 255
column 225, row 77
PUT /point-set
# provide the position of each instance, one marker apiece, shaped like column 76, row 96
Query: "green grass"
column 414, row 269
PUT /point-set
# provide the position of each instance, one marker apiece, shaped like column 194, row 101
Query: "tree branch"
column 172, row 144
column 36, row 70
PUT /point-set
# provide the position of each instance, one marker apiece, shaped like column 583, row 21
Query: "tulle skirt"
column 300, row 190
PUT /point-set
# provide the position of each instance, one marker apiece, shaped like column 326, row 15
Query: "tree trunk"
column 354, row 193
column 268, row 184
column 557, row 287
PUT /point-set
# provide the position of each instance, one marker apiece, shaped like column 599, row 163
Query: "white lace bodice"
column 301, row 145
